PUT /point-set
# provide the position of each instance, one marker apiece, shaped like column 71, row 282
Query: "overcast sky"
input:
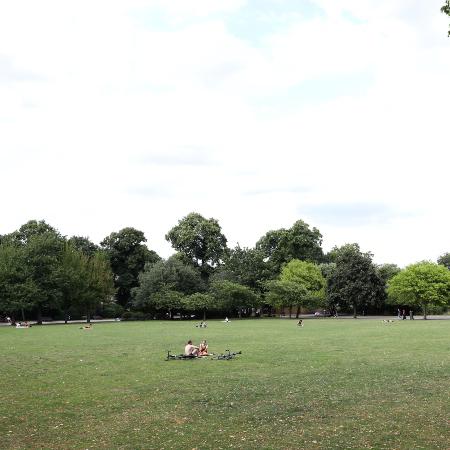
column 255, row 112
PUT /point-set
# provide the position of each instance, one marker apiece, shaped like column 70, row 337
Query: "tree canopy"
column 201, row 240
column 127, row 255
column 163, row 282
column 444, row 260
column 421, row 284
column 355, row 282
column 298, row 242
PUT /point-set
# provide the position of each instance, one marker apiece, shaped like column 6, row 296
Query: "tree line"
column 43, row 273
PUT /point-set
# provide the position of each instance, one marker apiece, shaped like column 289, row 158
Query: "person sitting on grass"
column 86, row 327
column 190, row 350
column 300, row 322
column 203, row 349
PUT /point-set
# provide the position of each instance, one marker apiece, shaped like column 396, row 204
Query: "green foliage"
column 160, row 280
column 87, row 282
column 99, row 283
column 199, row 302
column 112, row 310
column 201, row 240
column 246, row 266
column 446, row 10
column 128, row 256
column 32, row 229
column 297, row 242
column 14, row 289
column 387, row 271
column 327, row 269
column 355, row 283
column 83, row 244
column 233, row 296
column 444, row 260
column 285, row 293
column 42, row 271
column 309, row 276
column 167, row 300
column 421, row 284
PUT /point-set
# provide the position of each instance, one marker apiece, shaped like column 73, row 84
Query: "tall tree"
column 285, row 294
column 42, row 271
column 99, row 283
column 387, row 271
column 298, row 242
column 309, row 277
column 355, row 282
column 421, row 284
column 201, row 240
column 73, row 278
column 444, row 260
column 127, row 254
column 38, row 248
column 12, row 281
column 160, row 280
column 247, row 266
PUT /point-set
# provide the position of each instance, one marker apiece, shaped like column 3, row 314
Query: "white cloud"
column 124, row 123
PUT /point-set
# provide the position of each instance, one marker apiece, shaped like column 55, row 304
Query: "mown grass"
column 334, row 384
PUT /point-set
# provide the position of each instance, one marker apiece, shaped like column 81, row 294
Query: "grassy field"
column 333, row 384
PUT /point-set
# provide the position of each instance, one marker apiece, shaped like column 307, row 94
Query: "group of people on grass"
column 194, row 350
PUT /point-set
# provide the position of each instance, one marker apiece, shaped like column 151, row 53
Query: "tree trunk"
column 290, row 311
column 39, row 316
column 204, row 315
column 23, row 314
column 66, row 316
column 298, row 312
column 88, row 316
column 240, row 313
column 354, row 311
column 425, row 311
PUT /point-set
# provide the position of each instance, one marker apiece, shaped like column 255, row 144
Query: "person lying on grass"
column 190, row 350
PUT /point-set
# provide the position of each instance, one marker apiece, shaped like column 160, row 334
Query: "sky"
column 258, row 113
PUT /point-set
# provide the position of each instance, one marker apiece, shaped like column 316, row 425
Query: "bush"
column 112, row 310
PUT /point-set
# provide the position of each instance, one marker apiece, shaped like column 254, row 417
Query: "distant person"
column 226, row 320
column 300, row 323
column 411, row 314
column 404, row 314
column 190, row 350
column 399, row 313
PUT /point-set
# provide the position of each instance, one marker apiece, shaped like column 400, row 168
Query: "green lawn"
column 333, row 384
